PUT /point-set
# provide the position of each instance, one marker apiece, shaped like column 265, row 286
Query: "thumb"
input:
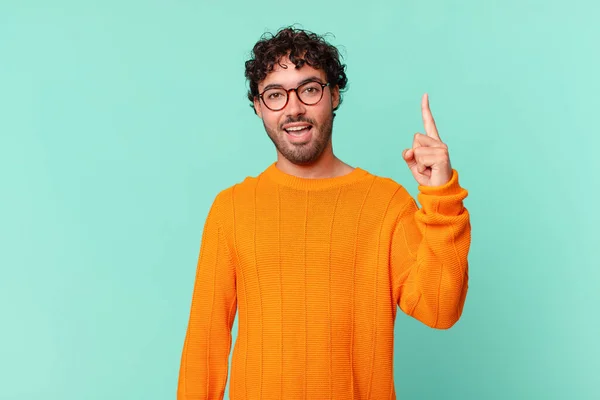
column 409, row 157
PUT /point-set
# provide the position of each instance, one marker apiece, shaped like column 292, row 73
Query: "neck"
column 326, row 166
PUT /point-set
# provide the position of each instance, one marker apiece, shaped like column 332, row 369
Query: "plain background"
column 121, row 120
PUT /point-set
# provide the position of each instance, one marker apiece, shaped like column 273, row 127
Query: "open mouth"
column 298, row 133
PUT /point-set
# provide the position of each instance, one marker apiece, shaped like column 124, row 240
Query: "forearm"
column 433, row 283
column 204, row 361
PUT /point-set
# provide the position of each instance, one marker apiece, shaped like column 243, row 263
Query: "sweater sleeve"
column 429, row 255
column 204, row 361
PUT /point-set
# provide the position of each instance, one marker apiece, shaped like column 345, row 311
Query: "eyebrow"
column 277, row 85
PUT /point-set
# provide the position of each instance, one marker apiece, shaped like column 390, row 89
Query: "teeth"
column 297, row 128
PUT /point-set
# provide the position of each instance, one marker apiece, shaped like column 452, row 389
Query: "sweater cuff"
column 450, row 187
column 446, row 199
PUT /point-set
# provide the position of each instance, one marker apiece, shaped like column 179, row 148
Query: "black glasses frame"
column 287, row 95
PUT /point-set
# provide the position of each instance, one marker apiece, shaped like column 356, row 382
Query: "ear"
column 258, row 107
column 335, row 96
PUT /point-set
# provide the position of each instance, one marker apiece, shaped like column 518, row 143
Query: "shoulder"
column 388, row 185
column 234, row 194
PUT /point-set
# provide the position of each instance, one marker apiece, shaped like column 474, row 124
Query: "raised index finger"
column 428, row 121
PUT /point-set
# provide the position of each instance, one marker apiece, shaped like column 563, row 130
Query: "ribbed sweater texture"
column 315, row 269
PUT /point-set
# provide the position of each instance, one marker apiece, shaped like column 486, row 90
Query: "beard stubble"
column 304, row 153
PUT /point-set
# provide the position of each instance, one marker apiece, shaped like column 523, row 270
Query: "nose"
column 294, row 106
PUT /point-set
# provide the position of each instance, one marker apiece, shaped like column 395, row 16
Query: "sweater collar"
column 285, row 179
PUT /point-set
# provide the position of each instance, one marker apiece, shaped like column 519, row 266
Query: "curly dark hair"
column 296, row 43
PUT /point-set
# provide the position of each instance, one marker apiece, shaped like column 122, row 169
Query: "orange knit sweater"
column 315, row 269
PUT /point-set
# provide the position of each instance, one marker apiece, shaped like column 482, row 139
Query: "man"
column 315, row 255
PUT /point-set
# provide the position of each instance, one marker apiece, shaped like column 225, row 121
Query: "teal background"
column 120, row 122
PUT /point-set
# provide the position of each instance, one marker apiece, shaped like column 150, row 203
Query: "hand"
column 428, row 159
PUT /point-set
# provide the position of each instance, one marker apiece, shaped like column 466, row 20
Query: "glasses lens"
column 275, row 98
column 310, row 93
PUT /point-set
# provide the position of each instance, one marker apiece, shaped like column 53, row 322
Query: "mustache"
column 301, row 119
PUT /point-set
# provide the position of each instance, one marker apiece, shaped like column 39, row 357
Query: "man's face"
column 301, row 146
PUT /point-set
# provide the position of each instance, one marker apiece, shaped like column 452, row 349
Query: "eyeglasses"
column 309, row 93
